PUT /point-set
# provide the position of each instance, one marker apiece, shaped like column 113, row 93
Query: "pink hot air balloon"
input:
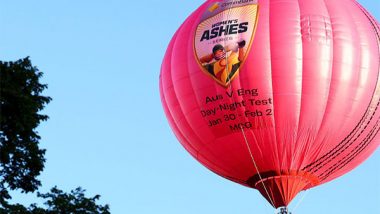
column 280, row 96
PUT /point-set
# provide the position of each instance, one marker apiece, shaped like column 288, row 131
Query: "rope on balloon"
column 301, row 200
column 243, row 132
column 254, row 163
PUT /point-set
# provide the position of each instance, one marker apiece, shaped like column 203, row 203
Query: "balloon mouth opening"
column 280, row 188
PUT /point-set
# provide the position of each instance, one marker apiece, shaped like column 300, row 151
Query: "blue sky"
column 107, row 131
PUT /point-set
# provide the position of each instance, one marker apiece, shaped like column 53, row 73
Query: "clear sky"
column 107, row 131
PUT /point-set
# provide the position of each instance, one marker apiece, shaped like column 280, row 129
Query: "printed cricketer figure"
column 224, row 62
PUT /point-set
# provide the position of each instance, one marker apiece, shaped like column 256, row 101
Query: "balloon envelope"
column 280, row 96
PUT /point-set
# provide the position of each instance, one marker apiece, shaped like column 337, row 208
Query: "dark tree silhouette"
column 75, row 202
column 58, row 202
column 21, row 159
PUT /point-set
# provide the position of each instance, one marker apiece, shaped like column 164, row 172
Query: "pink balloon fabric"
column 299, row 110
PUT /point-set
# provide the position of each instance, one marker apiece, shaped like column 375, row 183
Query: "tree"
column 21, row 159
column 59, row 202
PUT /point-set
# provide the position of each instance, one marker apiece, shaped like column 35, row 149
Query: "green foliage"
column 59, row 202
column 75, row 202
column 21, row 160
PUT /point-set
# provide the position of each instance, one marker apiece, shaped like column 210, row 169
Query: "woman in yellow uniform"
column 224, row 62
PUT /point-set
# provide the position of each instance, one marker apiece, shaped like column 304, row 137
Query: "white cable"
column 300, row 201
column 257, row 169
column 244, row 135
